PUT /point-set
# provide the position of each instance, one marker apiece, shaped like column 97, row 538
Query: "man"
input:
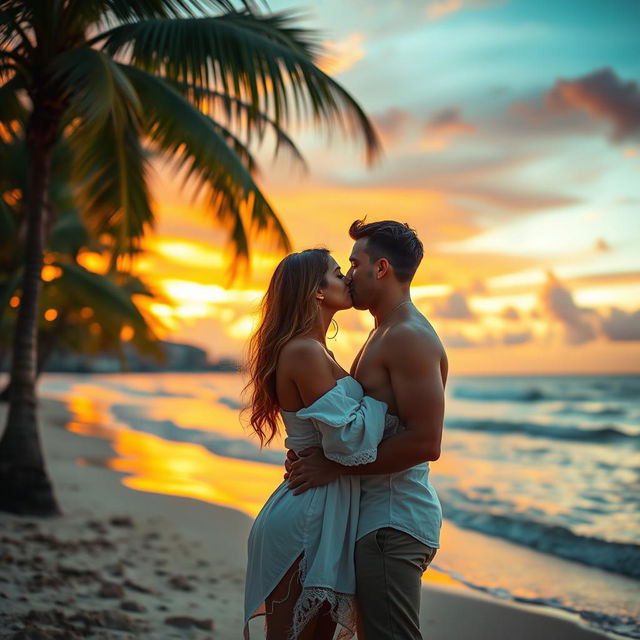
column 404, row 364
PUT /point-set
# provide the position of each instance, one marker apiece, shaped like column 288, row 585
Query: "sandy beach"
column 122, row 563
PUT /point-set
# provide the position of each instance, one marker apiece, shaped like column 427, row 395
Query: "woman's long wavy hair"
column 289, row 309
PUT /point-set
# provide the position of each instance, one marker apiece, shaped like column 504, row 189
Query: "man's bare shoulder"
column 413, row 347
column 414, row 334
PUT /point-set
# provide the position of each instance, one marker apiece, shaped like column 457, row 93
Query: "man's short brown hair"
column 395, row 241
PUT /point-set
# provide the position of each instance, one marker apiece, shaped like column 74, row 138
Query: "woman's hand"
column 310, row 470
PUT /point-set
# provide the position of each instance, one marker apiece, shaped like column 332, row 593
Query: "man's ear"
column 381, row 268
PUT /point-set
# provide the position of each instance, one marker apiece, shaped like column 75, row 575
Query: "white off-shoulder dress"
column 320, row 525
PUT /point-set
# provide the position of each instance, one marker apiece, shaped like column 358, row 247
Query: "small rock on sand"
column 110, row 619
column 186, row 622
column 132, row 605
column 181, row 583
column 130, row 584
column 31, row 632
column 121, row 521
column 111, row 590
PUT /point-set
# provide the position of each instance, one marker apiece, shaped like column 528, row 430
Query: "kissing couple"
column 341, row 545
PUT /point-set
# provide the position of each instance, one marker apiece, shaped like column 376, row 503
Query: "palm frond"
column 7, row 224
column 69, row 234
column 95, row 90
column 110, row 164
column 200, row 146
column 35, row 28
column 263, row 60
column 12, row 66
column 13, row 165
column 13, row 114
column 110, row 169
column 13, row 14
column 108, row 296
column 127, row 11
column 136, row 286
column 241, row 116
column 98, row 292
column 79, row 14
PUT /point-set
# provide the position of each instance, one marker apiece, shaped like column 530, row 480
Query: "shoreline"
column 162, row 566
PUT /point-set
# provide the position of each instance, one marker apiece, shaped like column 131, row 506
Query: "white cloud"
column 558, row 302
column 620, row 325
column 510, row 313
column 455, row 307
column 520, row 337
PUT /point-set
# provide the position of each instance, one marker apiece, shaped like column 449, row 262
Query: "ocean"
column 539, row 477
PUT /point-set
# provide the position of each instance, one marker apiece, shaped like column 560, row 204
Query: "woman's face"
column 336, row 293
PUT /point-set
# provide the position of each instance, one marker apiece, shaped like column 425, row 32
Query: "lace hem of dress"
column 342, row 607
column 359, row 457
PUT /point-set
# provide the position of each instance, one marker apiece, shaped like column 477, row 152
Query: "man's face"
column 360, row 278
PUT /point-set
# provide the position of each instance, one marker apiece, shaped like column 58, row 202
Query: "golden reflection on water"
column 433, row 576
column 189, row 470
column 176, row 468
column 198, row 413
column 86, row 410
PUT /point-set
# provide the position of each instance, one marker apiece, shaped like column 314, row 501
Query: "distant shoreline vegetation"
column 177, row 357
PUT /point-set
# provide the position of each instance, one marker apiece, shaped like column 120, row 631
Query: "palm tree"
column 113, row 77
column 74, row 297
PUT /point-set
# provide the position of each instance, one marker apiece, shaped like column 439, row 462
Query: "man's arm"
column 414, row 366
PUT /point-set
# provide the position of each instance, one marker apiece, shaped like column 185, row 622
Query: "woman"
column 300, row 570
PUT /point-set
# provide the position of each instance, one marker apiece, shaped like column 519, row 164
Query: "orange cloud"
column 446, row 124
column 442, row 8
column 392, row 124
column 438, row 9
column 601, row 95
column 342, row 55
column 604, row 96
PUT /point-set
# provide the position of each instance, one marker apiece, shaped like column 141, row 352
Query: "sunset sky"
column 511, row 133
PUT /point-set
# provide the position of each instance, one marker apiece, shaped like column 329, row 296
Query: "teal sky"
column 460, row 90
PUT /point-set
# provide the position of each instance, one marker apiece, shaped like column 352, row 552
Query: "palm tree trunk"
column 24, row 483
column 47, row 344
column 49, row 341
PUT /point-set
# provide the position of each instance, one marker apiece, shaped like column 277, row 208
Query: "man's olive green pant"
column 389, row 568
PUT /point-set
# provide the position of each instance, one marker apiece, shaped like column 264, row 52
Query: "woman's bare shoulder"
column 303, row 352
column 306, row 363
